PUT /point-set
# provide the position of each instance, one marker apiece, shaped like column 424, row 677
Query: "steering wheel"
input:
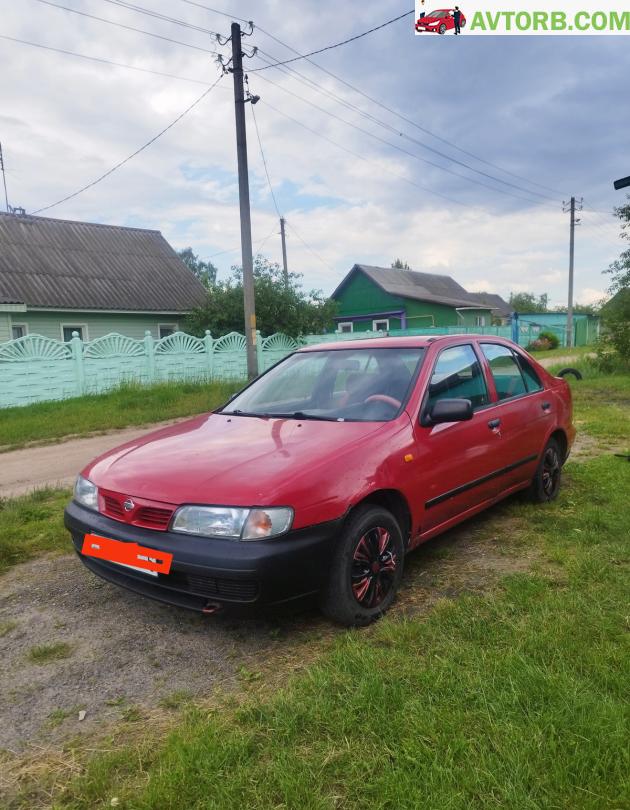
column 383, row 398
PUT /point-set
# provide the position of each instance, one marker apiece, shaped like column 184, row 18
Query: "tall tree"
column 528, row 302
column 399, row 264
column 206, row 272
column 279, row 308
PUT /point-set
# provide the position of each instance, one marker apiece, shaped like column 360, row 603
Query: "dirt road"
column 52, row 465
column 73, row 643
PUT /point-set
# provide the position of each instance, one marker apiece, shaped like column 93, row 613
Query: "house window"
column 166, row 329
column 18, row 330
column 381, row 326
column 346, row 327
column 480, row 320
column 67, row 330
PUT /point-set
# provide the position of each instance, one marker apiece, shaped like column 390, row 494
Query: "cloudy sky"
column 504, row 128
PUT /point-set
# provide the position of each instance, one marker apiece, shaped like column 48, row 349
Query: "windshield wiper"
column 304, row 415
column 238, row 412
column 291, row 415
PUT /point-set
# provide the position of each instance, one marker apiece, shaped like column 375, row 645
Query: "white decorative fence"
column 35, row 368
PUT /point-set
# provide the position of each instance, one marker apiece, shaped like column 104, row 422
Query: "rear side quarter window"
column 508, row 377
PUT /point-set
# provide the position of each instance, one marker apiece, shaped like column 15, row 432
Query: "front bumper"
column 210, row 572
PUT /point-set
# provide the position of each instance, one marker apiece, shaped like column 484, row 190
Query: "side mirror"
column 449, row 410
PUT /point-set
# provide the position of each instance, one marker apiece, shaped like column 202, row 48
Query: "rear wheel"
column 546, row 483
column 366, row 568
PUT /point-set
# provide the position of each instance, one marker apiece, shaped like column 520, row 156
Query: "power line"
column 312, row 250
column 398, row 132
column 133, row 155
column 396, row 146
column 159, row 16
column 337, row 44
column 127, row 27
column 216, row 11
column 400, row 115
column 359, row 156
column 102, row 60
column 264, row 160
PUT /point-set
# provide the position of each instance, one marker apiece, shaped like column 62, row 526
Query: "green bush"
column 544, row 342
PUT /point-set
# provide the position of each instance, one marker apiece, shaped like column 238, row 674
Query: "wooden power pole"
column 572, row 223
column 243, row 194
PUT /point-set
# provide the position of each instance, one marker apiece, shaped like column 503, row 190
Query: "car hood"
column 228, row 460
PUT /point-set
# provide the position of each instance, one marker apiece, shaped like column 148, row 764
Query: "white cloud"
column 65, row 121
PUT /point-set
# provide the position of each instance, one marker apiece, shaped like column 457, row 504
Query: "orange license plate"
column 128, row 554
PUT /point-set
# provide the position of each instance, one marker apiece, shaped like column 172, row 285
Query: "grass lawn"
column 122, row 407
column 32, row 525
column 515, row 698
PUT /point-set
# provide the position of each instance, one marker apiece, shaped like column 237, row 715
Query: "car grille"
column 152, row 517
column 237, row 590
column 143, row 514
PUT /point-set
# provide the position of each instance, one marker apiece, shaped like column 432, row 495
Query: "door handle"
column 494, row 423
column 546, row 406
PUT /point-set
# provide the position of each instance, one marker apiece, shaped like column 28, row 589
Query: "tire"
column 462, row 24
column 366, row 568
column 546, row 483
column 576, row 373
column 442, row 29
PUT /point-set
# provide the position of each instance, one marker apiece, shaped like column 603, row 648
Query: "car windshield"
column 437, row 14
column 365, row 385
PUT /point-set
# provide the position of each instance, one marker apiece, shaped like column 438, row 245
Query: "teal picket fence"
column 35, row 368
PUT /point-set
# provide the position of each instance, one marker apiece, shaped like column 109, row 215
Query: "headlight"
column 86, row 493
column 232, row 522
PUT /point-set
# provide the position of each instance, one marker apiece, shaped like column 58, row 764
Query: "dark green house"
column 385, row 298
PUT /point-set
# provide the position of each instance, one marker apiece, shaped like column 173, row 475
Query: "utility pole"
column 4, row 181
column 284, row 252
column 571, row 209
column 243, row 194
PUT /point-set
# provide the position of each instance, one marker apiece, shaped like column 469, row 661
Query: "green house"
column 58, row 277
column 383, row 299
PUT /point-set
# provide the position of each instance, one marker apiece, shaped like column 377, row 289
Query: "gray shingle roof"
column 58, row 264
column 431, row 287
column 498, row 305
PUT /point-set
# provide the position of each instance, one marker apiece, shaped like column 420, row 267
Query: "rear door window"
column 457, row 374
column 532, row 380
column 505, row 369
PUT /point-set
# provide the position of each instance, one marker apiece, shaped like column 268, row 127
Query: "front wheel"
column 442, row 29
column 546, row 483
column 366, row 568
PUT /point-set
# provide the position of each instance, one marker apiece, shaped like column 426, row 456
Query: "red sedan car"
column 439, row 21
column 323, row 473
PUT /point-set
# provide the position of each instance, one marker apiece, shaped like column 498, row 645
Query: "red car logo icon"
column 439, row 21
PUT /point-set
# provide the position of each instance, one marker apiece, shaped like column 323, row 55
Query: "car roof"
column 414, row 341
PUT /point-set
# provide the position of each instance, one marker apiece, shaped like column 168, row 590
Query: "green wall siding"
column 361, row 296
column 5, row 332
column 98, row 324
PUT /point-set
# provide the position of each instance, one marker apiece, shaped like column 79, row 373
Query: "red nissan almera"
column 439, row 22
column 320, row 476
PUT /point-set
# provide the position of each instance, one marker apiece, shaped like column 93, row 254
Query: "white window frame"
column 482, row 319
column 345, row 331
column 73, row 325
column 380, row 320
column 173, row 326
column 24, row 327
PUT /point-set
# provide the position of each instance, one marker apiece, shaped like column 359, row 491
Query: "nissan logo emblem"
column 128, row 505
